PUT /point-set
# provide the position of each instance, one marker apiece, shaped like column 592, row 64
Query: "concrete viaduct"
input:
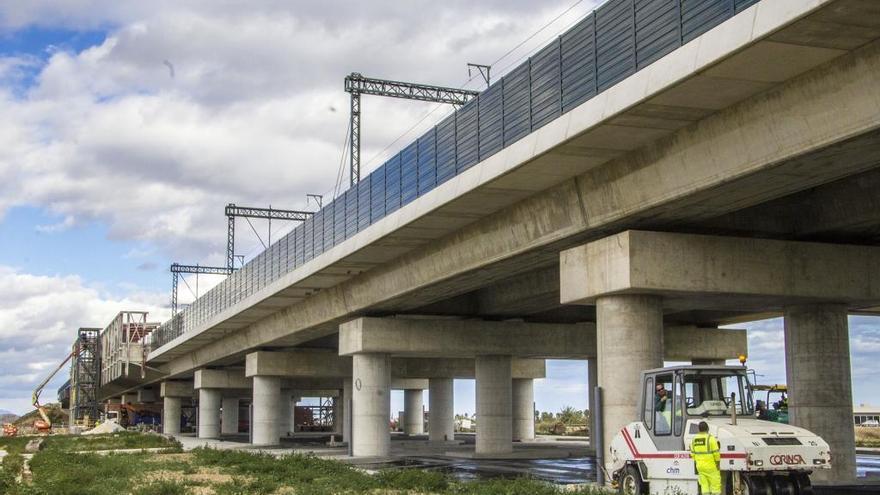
column 734, row 178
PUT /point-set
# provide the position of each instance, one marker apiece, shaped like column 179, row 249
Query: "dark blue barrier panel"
column 446, row 149
column 545, row 87
column 318, row 226
column 377, row 194
column 363, row 194
column 392, row 184
column 351, row 212
column 339, row 219
column 466, row 145
column 291, row 250
column 409, row 173
column 490, row 123
column 744, row 4
column 599, row 51
column 300, row 244
column 579, row 63
column 657, row 30
column 427, row 162
column 699, row 16
column 329, row 226
column 517, row 112
column 310, row 239
column 615, row 42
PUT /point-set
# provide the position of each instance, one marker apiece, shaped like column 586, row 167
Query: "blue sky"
column 113, row 165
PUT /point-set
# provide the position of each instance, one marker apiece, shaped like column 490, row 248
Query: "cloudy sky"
column 127, row 126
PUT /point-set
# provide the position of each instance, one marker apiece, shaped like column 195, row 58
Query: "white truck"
column 651, row 456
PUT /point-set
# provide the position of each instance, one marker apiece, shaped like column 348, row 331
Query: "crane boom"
column 35, row 397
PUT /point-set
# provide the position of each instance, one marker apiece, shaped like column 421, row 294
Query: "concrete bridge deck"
column 765, row 128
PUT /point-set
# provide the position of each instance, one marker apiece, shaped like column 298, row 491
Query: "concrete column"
column 629, row 340
column 267, row 410
column 592, row 380
column 286, row 413
column 229, row 416
column 346, row 410
column 413, row 412
column 209, row 413
column 371, row 379
column 441, row 424
column 494, row 407
column 171, row 415
column 820, row 382
column 523, row 394
column 708, row 362
column 337, row 415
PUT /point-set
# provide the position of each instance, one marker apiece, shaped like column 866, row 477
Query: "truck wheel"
column 782, row 485
column 756, row 485
column 801, row 482
column 631, row 482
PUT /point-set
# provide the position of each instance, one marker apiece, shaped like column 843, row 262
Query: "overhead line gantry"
column 358, row 85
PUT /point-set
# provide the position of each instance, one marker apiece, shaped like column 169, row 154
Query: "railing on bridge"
column 610, row 44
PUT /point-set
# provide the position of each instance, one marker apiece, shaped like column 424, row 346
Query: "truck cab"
column 651, row 455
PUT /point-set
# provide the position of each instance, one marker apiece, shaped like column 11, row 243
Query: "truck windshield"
column 707, row 393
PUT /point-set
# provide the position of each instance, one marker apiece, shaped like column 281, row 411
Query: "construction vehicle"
column 651, row 455
column 775, row 402
column 44, row 425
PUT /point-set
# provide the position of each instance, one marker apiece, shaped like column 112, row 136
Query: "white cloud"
column 107, row 134
column 39, row 316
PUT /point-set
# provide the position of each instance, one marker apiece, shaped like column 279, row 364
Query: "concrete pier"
column 285, row 416
column 209, row 413
column 229, row 416
column 413, row 412
column 820, row 382
column 171, row 416
column 441, row 416
column 630, row 340
column 523, row 393
column 494, row 406
column 371, row 398
column 346, row 409
column 267, row 410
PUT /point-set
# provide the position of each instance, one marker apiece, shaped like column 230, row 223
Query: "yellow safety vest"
column 705, row 451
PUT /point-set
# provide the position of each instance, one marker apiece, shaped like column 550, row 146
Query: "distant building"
column 865, row 415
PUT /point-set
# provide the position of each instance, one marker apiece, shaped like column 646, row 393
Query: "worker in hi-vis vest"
column 706, row 454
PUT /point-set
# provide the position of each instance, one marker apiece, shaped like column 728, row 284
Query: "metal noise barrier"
column 618, row 39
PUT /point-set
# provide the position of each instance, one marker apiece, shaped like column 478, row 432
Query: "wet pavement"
column 412, row 454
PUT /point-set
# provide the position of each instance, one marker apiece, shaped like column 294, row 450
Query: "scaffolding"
column 85, row 369
column 122, row 345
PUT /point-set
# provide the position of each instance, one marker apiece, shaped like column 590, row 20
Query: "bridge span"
column 660, row 170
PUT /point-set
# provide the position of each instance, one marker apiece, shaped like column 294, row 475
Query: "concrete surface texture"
column 229, row 415
column 441, row 397
column 630, row 328
column 820, row 381
column 413, row 409
column 267, row 410
column 209, row 413
column 171, row 415
column 523, row 398
column 371, row 405
column 494, row 406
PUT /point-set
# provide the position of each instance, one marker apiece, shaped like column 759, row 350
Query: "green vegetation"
column 58, row 471
column 867, row 437
column 568, row 421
